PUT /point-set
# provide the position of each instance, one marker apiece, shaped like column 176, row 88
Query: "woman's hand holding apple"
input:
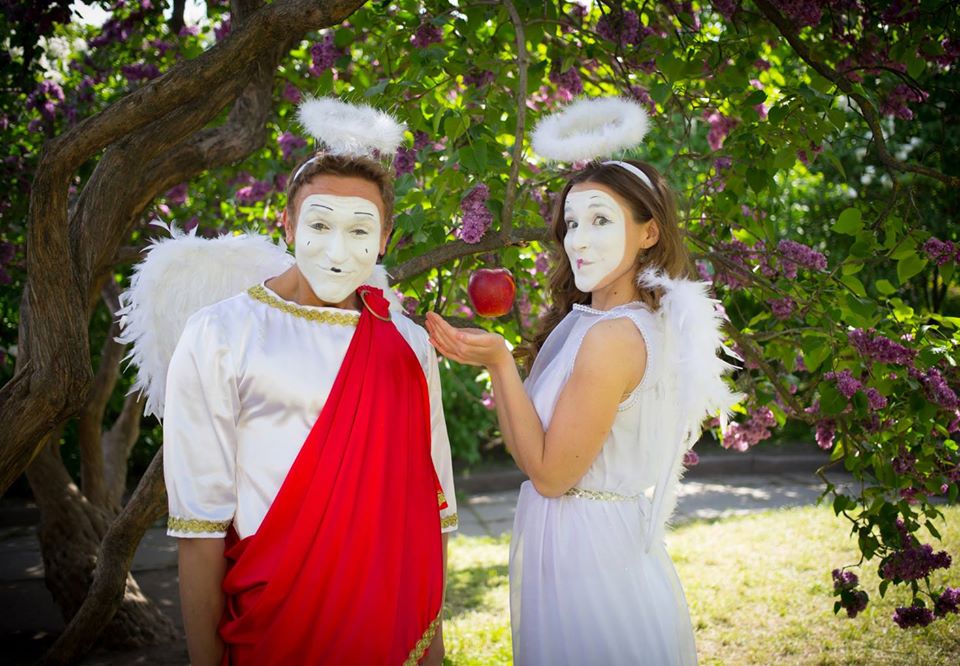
column 470, row 346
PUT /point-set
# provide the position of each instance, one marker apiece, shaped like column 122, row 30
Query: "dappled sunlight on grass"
column 759, row 590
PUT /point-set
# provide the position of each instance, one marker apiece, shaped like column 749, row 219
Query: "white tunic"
column 584, row 586
column 249, row 377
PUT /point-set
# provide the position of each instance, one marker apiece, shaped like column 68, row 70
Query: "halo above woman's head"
column 590, row 129
column 351, row 129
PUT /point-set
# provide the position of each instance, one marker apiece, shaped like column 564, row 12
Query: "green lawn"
column 759, row 593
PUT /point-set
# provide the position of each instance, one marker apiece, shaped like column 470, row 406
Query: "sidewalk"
column 486, row 501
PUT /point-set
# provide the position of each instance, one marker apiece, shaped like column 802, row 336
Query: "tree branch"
column 509, row 197
column 116, row 444
column 439, row 256
column 867, row 109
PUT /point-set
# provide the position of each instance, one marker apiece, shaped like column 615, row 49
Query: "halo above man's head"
column 351, row 129
column 591, row 129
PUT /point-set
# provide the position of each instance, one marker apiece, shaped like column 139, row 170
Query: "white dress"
column 590, row 578
column 245, row 385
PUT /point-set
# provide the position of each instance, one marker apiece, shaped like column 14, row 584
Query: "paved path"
column 29, row 620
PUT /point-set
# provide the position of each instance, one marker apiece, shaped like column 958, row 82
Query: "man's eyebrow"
column 316, row 205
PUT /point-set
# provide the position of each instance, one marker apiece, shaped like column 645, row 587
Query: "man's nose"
column 337, row 249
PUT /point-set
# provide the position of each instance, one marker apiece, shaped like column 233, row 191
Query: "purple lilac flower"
column 876, row 399
column 141, row 71
column 948, row 602
column 913, row 563
column 569, row 84
column 726, row 8
column 895, row 103
column 487, row 400
column 847, row 384
column 405, row 160
column 782, row 308
column 797, row 254
column 177, row 195
column 410, row 305
column 826, row 431
column 641, row 94
column 912, row 616
column 7, row 250
column 191, row 224
column 801, row 12
column 420, row 140
column 690, row 458
column 324, row 54
column 741, row 436
column 937, row 389
column 621, row 28
column 904, row 462
column 720, row 126
column 940, row 252
column 479, row 79
column 477, row 218
column 222, row 31
column 189, row 31
column 257, row 191
column 291, row 93
column 844, row 580
column 542, row 263
column 289, row 143
column 426, row 34
column 761, row 64
column 879, row 348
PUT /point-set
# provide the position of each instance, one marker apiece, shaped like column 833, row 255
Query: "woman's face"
column 602, row 239
column 338, row 234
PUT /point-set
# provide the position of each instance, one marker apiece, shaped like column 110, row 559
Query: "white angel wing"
column 179, row 276
column 696, row 375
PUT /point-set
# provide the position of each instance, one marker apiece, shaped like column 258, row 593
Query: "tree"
column 787, row 127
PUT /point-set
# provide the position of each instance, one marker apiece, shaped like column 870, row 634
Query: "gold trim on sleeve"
column 449, row 521
column 441, row 498
column 416, row 654
column 259, row 293
column 195, row 525
column 600, row 495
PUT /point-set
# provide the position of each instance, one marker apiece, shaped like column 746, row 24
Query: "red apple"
column 491, row 291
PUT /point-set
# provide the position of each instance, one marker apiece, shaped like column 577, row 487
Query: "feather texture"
column 350, row 129
column 591, row 128
column 178, row 276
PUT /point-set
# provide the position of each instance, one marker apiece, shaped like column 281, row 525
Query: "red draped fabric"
column 346, row 567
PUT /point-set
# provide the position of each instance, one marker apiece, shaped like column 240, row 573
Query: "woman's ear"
column 289, row 230
column 650, row 233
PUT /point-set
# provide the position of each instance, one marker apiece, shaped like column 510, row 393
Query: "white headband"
column 644, row 178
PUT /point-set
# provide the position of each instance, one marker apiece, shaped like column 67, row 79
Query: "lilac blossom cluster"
column 947, row 602
column 176, row 195
column 794, row 254
column 802, row 12
column 720, row 127
column 904, row 462
column 642, row 95
column 140, row 71
column 568, row 82
column 852, row 600
column 941, row 252
column 622, row 28
column 7, row 252
column 825, row 433
column 479, row 78
column 477, row 218
column 324, row 54
column 45, row 98
column 847, row 384
column 405, row 160
column 690, row 458
column 912, row 616
column 291, row 93
column 875, row 399
column 256, row 191
column 741, row 436
column 913, row 563
column 936, row 387
column 782, row 308
column 726, row 8
column 290, row 143
column 426, row 34
column 222, row 31
column 880, row 349
column 895, row 103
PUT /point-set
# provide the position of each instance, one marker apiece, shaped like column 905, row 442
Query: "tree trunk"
column 70, row 531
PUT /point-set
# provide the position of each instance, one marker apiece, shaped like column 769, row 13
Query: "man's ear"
column 384, row 240
column 289, row 228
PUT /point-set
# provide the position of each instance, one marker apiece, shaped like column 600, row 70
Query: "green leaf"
column 933, row 530
column 910, row 266
column 832, row 401
column 756, row 97
column 375, row 90
column 885, row 287
column 849, row 222
column 757, row 179
column 853, row 282
column 884, row 584
column 815, row 351
column 670, row 65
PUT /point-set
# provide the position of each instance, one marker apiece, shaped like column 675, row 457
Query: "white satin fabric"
column 246, row 383
column 587, row 584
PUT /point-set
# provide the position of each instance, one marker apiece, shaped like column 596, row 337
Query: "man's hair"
column 343, row 165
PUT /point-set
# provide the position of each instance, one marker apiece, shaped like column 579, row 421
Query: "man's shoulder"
column 415, row 335
column 223, row 313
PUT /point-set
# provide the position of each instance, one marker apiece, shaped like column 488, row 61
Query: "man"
column 307, row 462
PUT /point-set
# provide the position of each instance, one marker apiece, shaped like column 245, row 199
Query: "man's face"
column 338, row 234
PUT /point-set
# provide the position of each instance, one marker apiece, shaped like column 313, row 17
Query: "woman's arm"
column 610, row 362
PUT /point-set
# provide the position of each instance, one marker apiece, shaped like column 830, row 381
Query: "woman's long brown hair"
column 669, row 255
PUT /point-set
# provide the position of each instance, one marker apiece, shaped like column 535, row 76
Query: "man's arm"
column 202, row 567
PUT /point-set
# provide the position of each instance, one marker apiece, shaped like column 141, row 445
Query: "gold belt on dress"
column 602, row 495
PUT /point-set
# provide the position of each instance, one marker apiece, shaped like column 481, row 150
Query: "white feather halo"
column 350, row 129
column 591, row 128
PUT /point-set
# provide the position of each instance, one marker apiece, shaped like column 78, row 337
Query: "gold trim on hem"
column 601, row 495
column 195, row 525
column 416, row 654
column 441, row 498
column 259, row 293
column 449, row 521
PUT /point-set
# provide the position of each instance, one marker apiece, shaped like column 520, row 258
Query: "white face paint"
column 336, row 243
column 596, row 236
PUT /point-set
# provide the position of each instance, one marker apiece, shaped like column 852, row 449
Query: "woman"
column 625, row 371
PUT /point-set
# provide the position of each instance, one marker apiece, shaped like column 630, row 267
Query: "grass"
column 759, row 590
